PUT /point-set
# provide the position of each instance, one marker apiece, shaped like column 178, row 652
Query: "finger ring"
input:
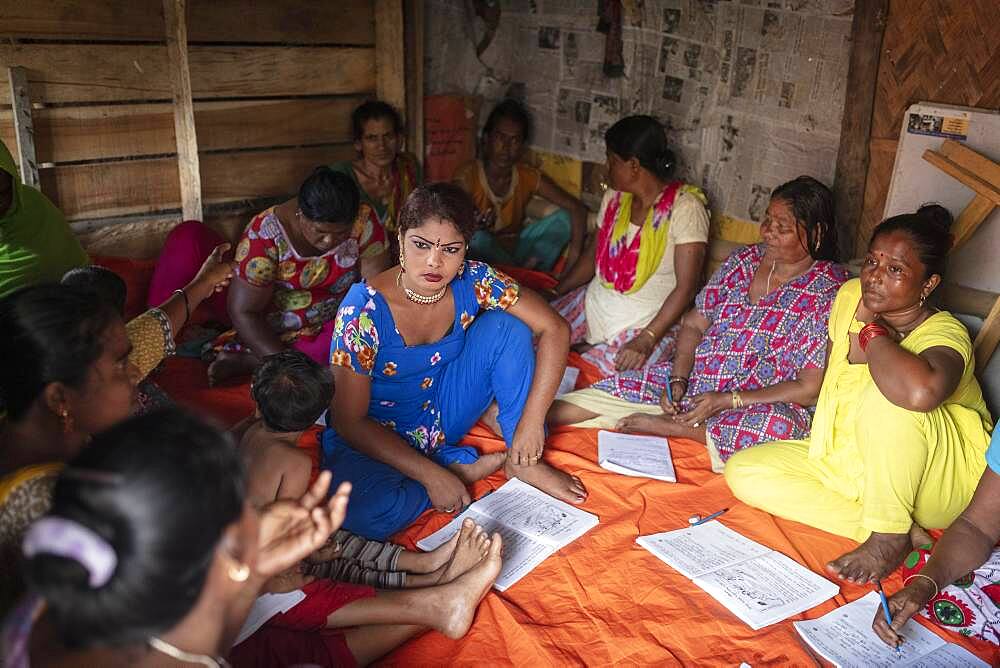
column 696, row 424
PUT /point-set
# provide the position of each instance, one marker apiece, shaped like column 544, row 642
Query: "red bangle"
column 869, row 332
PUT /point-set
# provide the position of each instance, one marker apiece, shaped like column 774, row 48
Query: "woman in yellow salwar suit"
column 901, row 428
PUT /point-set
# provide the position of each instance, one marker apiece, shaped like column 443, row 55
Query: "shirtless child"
column 443, row 588
column 292, row 391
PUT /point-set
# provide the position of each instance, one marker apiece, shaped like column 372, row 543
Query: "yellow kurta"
column 869, row 465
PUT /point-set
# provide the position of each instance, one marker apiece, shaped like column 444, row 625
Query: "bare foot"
column 479, row 469
column 461, row 596
column 491, row 418
column 428, row 562
column 919, row 538
column 661, row 425
column 873, row 559
column 229, row 365
column 551, row 481
column 473, row 545
column 646, row 423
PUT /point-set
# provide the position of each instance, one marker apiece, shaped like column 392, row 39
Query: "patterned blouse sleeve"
column 369, row 232
column 492, row 288
column 256, row 256
column 355, row 336
column 152, row 339
column 808, row 342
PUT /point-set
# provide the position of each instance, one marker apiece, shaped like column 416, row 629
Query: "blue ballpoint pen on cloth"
column 885, row 610
column 710, row 517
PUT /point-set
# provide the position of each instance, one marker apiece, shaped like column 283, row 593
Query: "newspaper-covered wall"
column 752, row 91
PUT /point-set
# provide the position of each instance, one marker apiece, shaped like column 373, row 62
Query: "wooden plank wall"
column 933, row 51
column 273, row 84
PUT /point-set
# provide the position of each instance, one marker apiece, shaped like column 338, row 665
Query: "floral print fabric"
column 971, row 605
column 307, row 290
column 405, row 379
column 747, row 347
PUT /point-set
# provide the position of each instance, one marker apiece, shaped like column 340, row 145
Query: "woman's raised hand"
column 290, row 531
column 216, row 271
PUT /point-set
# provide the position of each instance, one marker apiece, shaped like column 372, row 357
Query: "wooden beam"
column 99, row 132
column 988, row 338
column 867, row 29
column 390, row 67
column 24, row 129
column 128, row 187
column 286, row 22
column 414, row 21
column 70, row 73
column 188, row 167
column 969, row 220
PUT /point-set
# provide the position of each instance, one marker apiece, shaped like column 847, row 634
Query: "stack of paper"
column 533, row 525
column 638, row 456
column 757, row 584
column 845, row 638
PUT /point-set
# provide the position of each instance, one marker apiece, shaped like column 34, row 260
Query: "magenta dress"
column 747, row 347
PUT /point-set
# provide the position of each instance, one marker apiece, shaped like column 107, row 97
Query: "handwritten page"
column 701, row 549
column 638, row 456
column 767, row 589
column 950, row 655
column 265, row 607
column 533, row 526
column 568, row 382
column 845, row 638
column 757, row 584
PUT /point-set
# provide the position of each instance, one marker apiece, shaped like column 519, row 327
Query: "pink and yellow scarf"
column 624, row 265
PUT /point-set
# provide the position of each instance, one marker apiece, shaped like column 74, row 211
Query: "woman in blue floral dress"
column 419, row 353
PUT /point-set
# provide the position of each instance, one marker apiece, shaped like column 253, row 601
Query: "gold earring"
column 67, row 421
column 461, row 269
column 239, row 572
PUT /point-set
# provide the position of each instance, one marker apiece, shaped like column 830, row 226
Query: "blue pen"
column 710, row 517
column 885, row 610
column 670, row 394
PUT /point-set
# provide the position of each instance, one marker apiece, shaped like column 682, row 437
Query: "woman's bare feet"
column 919, row 538
column 648, row 423
column 479, row 469
column 228, row 365
column 428, row 562
column 552, row 481
column 874, row 559
column 473, row 546
column 457, row 601
column 661, row 425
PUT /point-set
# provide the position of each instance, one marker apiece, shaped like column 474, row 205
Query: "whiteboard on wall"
column 915, row 181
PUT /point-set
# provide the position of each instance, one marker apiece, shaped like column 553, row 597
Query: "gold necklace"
column 164, row 647
column 416, row 297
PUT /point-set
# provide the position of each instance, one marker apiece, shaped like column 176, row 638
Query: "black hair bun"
column 936, row 215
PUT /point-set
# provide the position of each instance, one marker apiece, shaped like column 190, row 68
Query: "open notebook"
column 757, row 584
column 845, row 638
column 637, row 456
column 533, row 525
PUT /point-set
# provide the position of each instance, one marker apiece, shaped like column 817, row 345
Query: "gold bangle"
column 652, row 334
column 926, row 577
column 737, row 400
